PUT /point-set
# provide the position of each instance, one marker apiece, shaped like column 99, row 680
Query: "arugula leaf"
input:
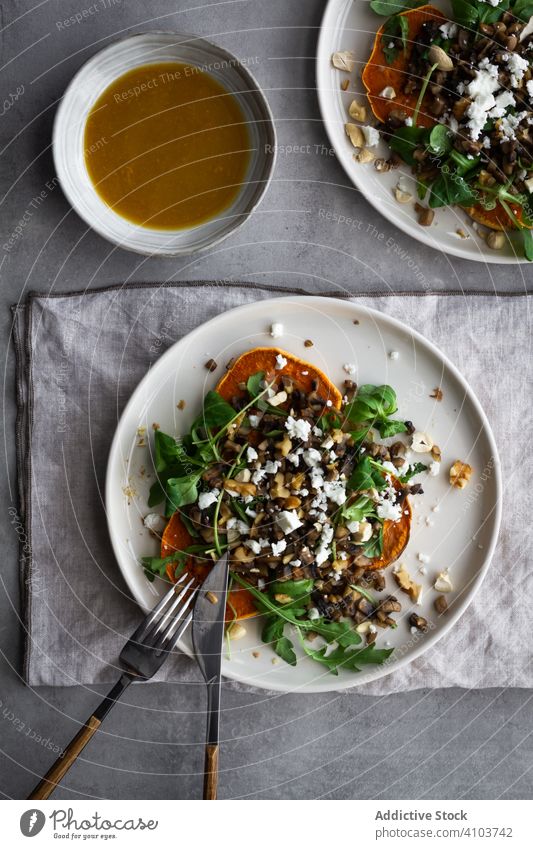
column 523, row 10
column 181, row 491
column 158, row 565
column 273, row 633
column 341, row 632
column 450, row 190
column 299, row 590
column 374, row 547
column 390, row 428
column 369, row 597
column 439, row 141
column 359, row 509
column 353, row 660
column 365, row 476
column 395, row 27
column 414, row 470
column 166, row 450
column 465, row 14
column 216, row 412
column 393, row 7
column 527, row 237
column 253, row 384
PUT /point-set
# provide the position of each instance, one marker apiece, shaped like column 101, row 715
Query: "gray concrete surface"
column 439, row 744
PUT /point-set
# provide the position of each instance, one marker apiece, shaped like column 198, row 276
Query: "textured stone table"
column 433, row 744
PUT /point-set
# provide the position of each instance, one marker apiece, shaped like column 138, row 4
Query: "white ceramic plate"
column 462, row 533
column 87, row 86
column 351, row 25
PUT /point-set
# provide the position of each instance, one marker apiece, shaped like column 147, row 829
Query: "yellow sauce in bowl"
column 167, row 146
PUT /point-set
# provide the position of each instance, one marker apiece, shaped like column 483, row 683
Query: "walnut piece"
column 406, row 583
column 460, row 474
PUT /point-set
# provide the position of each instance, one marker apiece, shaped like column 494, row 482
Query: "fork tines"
column 163, row 627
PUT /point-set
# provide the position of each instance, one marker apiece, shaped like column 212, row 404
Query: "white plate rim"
column 330, row 14
column 95, row 225
column 495, row 512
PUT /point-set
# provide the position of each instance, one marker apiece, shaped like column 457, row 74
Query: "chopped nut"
column 441, row 605
column 388, row 93
column 495, row 240
column 344, row 85
column 421, row 443
column 437, row 394
column 285, row 445
column 236, row 631
column 211, row 597
column 241, row 487
column 355, row 134
column 255, row 654
column 344, row 60
column 365, row 155
column 181, row 404
column 211, row 365
column 382, row 165
column 460, row 474
column 438, row 57
column 406, row 583
column 357, row 111
column 436, row 453
column 278, row 399
column 443, row 583
column 425, row 215
column 282, row 598
column 401, row 196
column 308, row 343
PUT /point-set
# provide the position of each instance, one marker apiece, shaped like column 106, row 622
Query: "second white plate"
column 351, row 25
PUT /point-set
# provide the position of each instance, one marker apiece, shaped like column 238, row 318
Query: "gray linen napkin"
column 79, row 356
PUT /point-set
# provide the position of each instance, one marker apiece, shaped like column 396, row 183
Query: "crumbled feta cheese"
column 281, row 362
column 295, row 563
column 328, row 443
column 323, row 550
column 312, row 457
column 264, row 543
column 205, row 499
column 313, row 614
column 371, row 136
column 529, row 87
column 517, row 66
column 350, row 368
column 481, row 93
column 434, row 469
column 298, row 428
column 288, row 521
column 353, row 526
column 390, row 467
column 423, row 558
column 272, row 466
column 276, row 330
column 155, row 523
column 388, row 510
column 294, row 459
column 502, row 101
column 278, row 547
column 258, row 476
column 329, row 403
column 449, row 29
column 335, row 491
column 408, row 121
column 253, row 545
column 254, row 420
column 238, row 525
column 388, row 93
column 394, row 355
column 251, row 454
column 317, row 431
column 251, row 513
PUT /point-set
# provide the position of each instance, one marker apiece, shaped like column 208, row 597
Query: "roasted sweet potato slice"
column 378, row 74
column 177, row 537
column 395, row 535
column 264, row 359
column 497, row 218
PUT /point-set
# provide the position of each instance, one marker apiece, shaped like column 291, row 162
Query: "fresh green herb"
column 439, row 141
column 396, row 27
column 394, row 7
column 373, row 405
column 374, row 547
column 253, row 384
column 363, row 507
column 450, row 189
column 412, row 471
column 523, row 10
column 527, row 237
column 369, row 597
column 405, row 140
column 365, row 476
column 158, row 565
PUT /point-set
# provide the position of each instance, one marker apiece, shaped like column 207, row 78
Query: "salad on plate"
column 452, row 96
column 309, row 489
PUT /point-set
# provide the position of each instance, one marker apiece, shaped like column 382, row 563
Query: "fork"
column 144, row 653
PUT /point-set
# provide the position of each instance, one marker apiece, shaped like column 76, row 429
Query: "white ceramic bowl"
column 87, row 86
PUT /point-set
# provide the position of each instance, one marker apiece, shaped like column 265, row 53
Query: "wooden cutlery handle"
column 65, row 760
column 211, row 771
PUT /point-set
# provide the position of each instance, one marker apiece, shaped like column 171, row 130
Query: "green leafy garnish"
column 412, row 471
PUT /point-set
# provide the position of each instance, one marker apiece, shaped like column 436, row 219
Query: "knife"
column 207, row 637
